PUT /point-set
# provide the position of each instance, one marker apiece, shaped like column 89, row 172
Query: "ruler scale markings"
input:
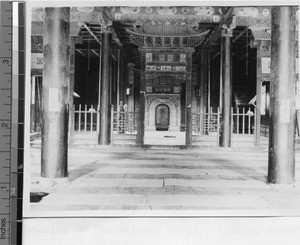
column 10, row 75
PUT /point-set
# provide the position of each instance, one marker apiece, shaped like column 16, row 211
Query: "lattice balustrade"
column 124, row 122
column 242, row 121
column 86, row 118
column 205, row 123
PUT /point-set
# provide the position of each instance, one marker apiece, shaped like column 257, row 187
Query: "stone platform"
column 107, row 178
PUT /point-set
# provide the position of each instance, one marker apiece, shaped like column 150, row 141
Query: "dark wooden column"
column 122, row 79
column 208, row 65
column 188, row 100
column 282, row 124
column 203, row 81
column 132, row 95
column 225, row 130
column 141, row 116
column 55, row 93
column 258, row 99
column 221, row 81
column 118, row 80
column 32, row 104
column 71, row 88
column 113, row 81
column 104, row 132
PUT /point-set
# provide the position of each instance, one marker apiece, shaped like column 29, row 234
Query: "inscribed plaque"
column 53, row 100
column 285, row 107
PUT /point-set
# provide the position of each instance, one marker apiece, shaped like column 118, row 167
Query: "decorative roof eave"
column 261, row 33
column 143, row 40
column 182, row 36
column 264, row 33
column 259, row 16
column 142, row 19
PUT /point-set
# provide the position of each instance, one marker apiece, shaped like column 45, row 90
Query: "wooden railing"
column 206, row 123
column 297, row 133
column 124, row 122
column 242, row 121
column 86, row 118
column 123, row 127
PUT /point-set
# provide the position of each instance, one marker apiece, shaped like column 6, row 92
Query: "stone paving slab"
column 158, row 200
column 217, row 183
column 75, row 175
column 181, row 171
column 207, row 200
column 87, row 199
column 165, row 164
column 166, row 190
column 117, row 182
column 138, row 179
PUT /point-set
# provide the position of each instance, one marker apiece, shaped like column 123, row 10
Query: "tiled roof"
column 261, row 35
column 167, row 30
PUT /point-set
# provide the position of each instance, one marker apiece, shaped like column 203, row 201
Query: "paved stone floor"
column 107, row 178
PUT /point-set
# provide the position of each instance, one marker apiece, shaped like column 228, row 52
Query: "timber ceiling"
column 249, row 23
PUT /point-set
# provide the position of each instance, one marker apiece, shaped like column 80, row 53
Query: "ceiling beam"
column 80, row 52
column 215, row 56
column 90, row 31
column 95, row 52
column 217, row 31
column 239, row 35
column 88, row 46
column 116, row 38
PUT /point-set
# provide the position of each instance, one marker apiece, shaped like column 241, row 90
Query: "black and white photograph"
column 161, row 109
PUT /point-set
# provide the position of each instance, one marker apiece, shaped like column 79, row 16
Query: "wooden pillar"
column 141, row 111
column 281, row 168
column 122, row 79
column 221, row 81
column 131, row 87
column 208, row 81
column 55, row 93
column 198, row 98
column 258, row 99
column 104, row 132
column 71, row 89
column 99, row 91
column 118, row 80
column 188, row 100
column 203, row 81
column 32, row 104
column 225, row 130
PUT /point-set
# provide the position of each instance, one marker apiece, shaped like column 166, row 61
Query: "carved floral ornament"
column 186, row 15
column 157, row 76
column 77, row 14
column 192, row 10
column 174, row 98
column 264, row 47
column 246, row 16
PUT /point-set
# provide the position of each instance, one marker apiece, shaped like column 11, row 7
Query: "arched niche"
column 162, row 117
column 174, row 112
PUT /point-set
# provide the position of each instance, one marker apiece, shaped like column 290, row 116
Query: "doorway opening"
column 162, row 117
